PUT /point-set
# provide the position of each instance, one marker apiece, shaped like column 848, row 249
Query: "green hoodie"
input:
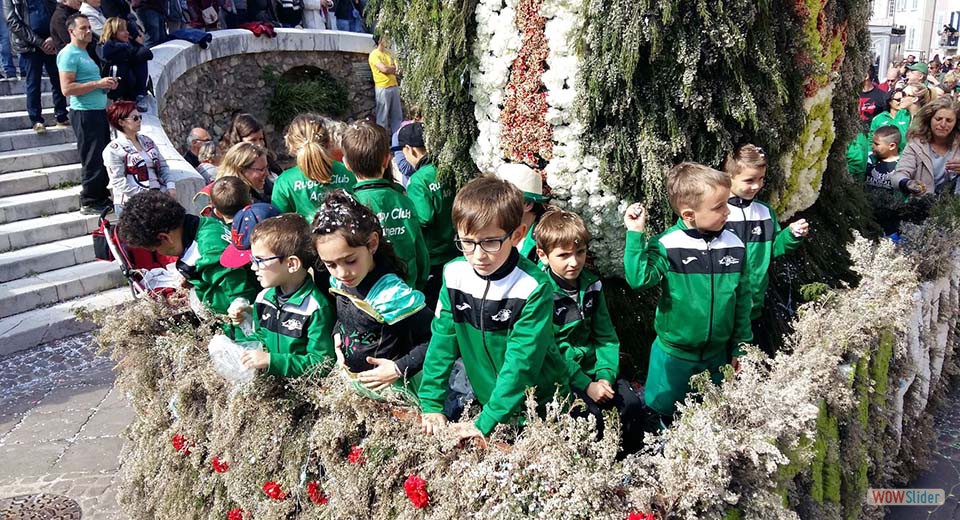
column 216, row 286
column 294, row 192
column 755, row 224
column 297, row 331
column 401, row 225
column 433, row 200
column 499, row 324
column 584, row 330
column 704, row 308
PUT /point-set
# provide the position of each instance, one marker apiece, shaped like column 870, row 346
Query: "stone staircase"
column 47, row 267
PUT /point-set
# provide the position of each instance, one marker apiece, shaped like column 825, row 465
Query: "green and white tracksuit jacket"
column 215, row 286
column 584, row 330
column 296, row 330
column 500, row 325
column 704, row 308
column 756, row 226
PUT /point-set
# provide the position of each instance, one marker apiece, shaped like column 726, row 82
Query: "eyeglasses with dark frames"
column 490, row 245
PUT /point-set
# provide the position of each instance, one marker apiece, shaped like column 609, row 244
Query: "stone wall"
column 208, row 95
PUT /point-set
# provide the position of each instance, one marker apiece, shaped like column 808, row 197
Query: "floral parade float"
column 601, row 96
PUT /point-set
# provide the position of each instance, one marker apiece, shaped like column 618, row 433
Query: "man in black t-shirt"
column 872, row 101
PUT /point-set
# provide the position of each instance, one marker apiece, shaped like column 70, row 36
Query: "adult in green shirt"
column 80, row 80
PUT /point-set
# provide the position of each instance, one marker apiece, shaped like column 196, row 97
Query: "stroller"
column 145, row 271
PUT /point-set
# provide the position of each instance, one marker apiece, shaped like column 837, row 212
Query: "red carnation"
column 181, row 444
column 274, row 491
column 356, row 456
column 416, row 489
column 317, row 496
column 235, row 514
column 640, row 516
column 220, row 466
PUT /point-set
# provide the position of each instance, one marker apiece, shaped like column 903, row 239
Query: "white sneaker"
column 39, row 128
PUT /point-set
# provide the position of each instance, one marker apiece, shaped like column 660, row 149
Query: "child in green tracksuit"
column 582, row 324
column 301, row 189
column 495, row 311
column 293, row 318
column 756, row 225
column 703, row 315
column 433, row 200
column 366, row 152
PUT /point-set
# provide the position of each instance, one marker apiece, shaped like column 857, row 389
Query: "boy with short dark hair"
column 294, row 320
column 582, row 324
column 756, row 225
column 433, row 200
column 154, row 221
column 703, row 315
column 229, row 195
column 890, row 204
column 494, row 310
column 366, row 152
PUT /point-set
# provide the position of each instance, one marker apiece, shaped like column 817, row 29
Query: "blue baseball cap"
column 237, row 254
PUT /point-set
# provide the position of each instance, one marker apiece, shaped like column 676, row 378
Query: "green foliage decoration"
column 304, row 89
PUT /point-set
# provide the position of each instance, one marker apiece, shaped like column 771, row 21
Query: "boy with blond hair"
column 703, row 315
column 494, row 310
column 582, row 324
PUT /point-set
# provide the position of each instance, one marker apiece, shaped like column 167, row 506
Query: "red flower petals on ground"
column 416, row 489
column 317, row 496
column 220, row 466
column 274, row 491
column 235, row 514
column 640, row 516
column 181, row 444
column 356, row 456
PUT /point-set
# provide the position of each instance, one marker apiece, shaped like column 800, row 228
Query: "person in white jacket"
column 91, row 8
column 134, row 164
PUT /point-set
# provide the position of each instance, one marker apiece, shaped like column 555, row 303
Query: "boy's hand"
column 432, row 423
column 635, row 219
column 379, row 378
column 255, row 359
column 236, row 313
column 599, row 391
column 800, row 228
column 465, row 431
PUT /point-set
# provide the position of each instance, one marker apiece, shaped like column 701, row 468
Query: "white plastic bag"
column 225, row 356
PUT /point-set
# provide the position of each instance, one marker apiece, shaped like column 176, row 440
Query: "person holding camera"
column 80, row 80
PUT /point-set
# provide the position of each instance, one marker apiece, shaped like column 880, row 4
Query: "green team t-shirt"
column 433, row 200
column 400, row 225
column 293, row 192
column 76, row 60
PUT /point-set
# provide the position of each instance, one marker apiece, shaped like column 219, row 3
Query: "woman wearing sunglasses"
column 898, row 115
column 133, row 162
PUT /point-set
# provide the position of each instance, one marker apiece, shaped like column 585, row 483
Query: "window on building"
column 912, row 38
column 901, row 5
column 915, row 6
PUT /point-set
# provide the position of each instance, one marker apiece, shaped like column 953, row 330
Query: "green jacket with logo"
column 584, row 331
column 297, row 331
column 401, row 225
column 433, row 200
column 499, row 324
column 704, row 308
column 293, row 192
column 216, row 286
column 756, row 225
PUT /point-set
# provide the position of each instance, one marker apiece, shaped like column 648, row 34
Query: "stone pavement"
column 61, row 424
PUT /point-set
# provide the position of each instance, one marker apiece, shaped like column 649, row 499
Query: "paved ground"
column 60, row 426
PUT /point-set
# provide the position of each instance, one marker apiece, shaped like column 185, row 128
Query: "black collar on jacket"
column 706, row 236
column 504, row 269
column 739, row 202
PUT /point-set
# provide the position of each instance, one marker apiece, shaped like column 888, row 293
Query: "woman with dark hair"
column 244, row 128
column 130, row 59
column 897, row 115
column 931, row 160
column 133, row 162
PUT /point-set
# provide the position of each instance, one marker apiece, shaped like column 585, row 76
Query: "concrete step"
column 21, row 121
column 29, row 329
column 26, row 233
column 17, row 102
column 30, row 181
column 26, row 139
column 40, row 157
column 26, row 294
column 11, row 87
column 42, row 258
column 39, row 204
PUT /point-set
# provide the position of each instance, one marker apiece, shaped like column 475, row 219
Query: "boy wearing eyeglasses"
column 366, row 153
column 495, row 312
column 294, row 320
